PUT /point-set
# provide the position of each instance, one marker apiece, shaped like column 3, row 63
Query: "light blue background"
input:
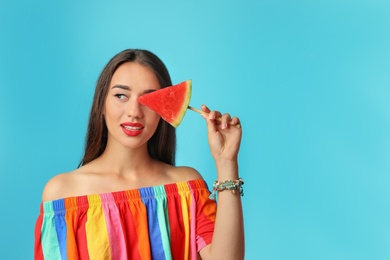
column 309, row 79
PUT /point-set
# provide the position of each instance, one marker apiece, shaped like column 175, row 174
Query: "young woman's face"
column 128, row 122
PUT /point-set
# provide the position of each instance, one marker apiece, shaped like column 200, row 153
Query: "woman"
column 127, row 200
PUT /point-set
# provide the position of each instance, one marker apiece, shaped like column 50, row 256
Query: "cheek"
column 110, row 109
column 149, row 113
column 156, row 116
column 153, row 117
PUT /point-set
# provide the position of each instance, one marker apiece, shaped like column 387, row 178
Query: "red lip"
column 132, row 129
column 133, row 124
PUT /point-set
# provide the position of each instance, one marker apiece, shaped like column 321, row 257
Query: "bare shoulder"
column 184, row 173
column 58, row 187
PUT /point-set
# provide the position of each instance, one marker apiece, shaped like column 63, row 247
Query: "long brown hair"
column 162, row 145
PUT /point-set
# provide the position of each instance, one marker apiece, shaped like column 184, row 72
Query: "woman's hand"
column 224, row 134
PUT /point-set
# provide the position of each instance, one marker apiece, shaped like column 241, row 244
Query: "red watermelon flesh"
column 170, row 103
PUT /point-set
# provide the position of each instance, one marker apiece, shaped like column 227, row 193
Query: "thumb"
column 212, row 125
column 209, row 118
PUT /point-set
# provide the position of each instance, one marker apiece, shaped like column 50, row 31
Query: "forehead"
column 134, row 75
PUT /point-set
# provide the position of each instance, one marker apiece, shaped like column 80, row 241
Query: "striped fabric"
column 172, row 221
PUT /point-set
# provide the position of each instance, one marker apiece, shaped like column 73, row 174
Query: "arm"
column 224, row 140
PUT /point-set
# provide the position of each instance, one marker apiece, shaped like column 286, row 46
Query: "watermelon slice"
column 170, row 103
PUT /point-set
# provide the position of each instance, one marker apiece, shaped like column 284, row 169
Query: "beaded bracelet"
column 232, row 185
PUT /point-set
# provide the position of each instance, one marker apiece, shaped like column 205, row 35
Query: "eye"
column 121, row 96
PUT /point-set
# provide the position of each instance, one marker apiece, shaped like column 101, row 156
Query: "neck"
column 123, row 161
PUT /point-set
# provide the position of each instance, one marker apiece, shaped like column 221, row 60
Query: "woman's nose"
column 134, row 109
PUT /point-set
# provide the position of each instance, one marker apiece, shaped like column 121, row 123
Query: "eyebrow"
column 121, row 87
column 125, row 87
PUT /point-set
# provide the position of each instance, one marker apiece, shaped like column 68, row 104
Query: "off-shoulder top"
column 172, row 221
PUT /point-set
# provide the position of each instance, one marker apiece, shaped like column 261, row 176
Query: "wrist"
column 227, row 169
column 235, row 186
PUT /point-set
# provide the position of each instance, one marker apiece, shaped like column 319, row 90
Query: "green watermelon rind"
column 183, row 110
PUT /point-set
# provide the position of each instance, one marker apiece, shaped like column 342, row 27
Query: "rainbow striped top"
column 171, row 221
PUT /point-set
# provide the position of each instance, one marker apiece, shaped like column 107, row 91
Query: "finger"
column 205, row 109
column 215, row 115
column 211, row 114
column 225, row 121
column 234, row 121
column 206, row 113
